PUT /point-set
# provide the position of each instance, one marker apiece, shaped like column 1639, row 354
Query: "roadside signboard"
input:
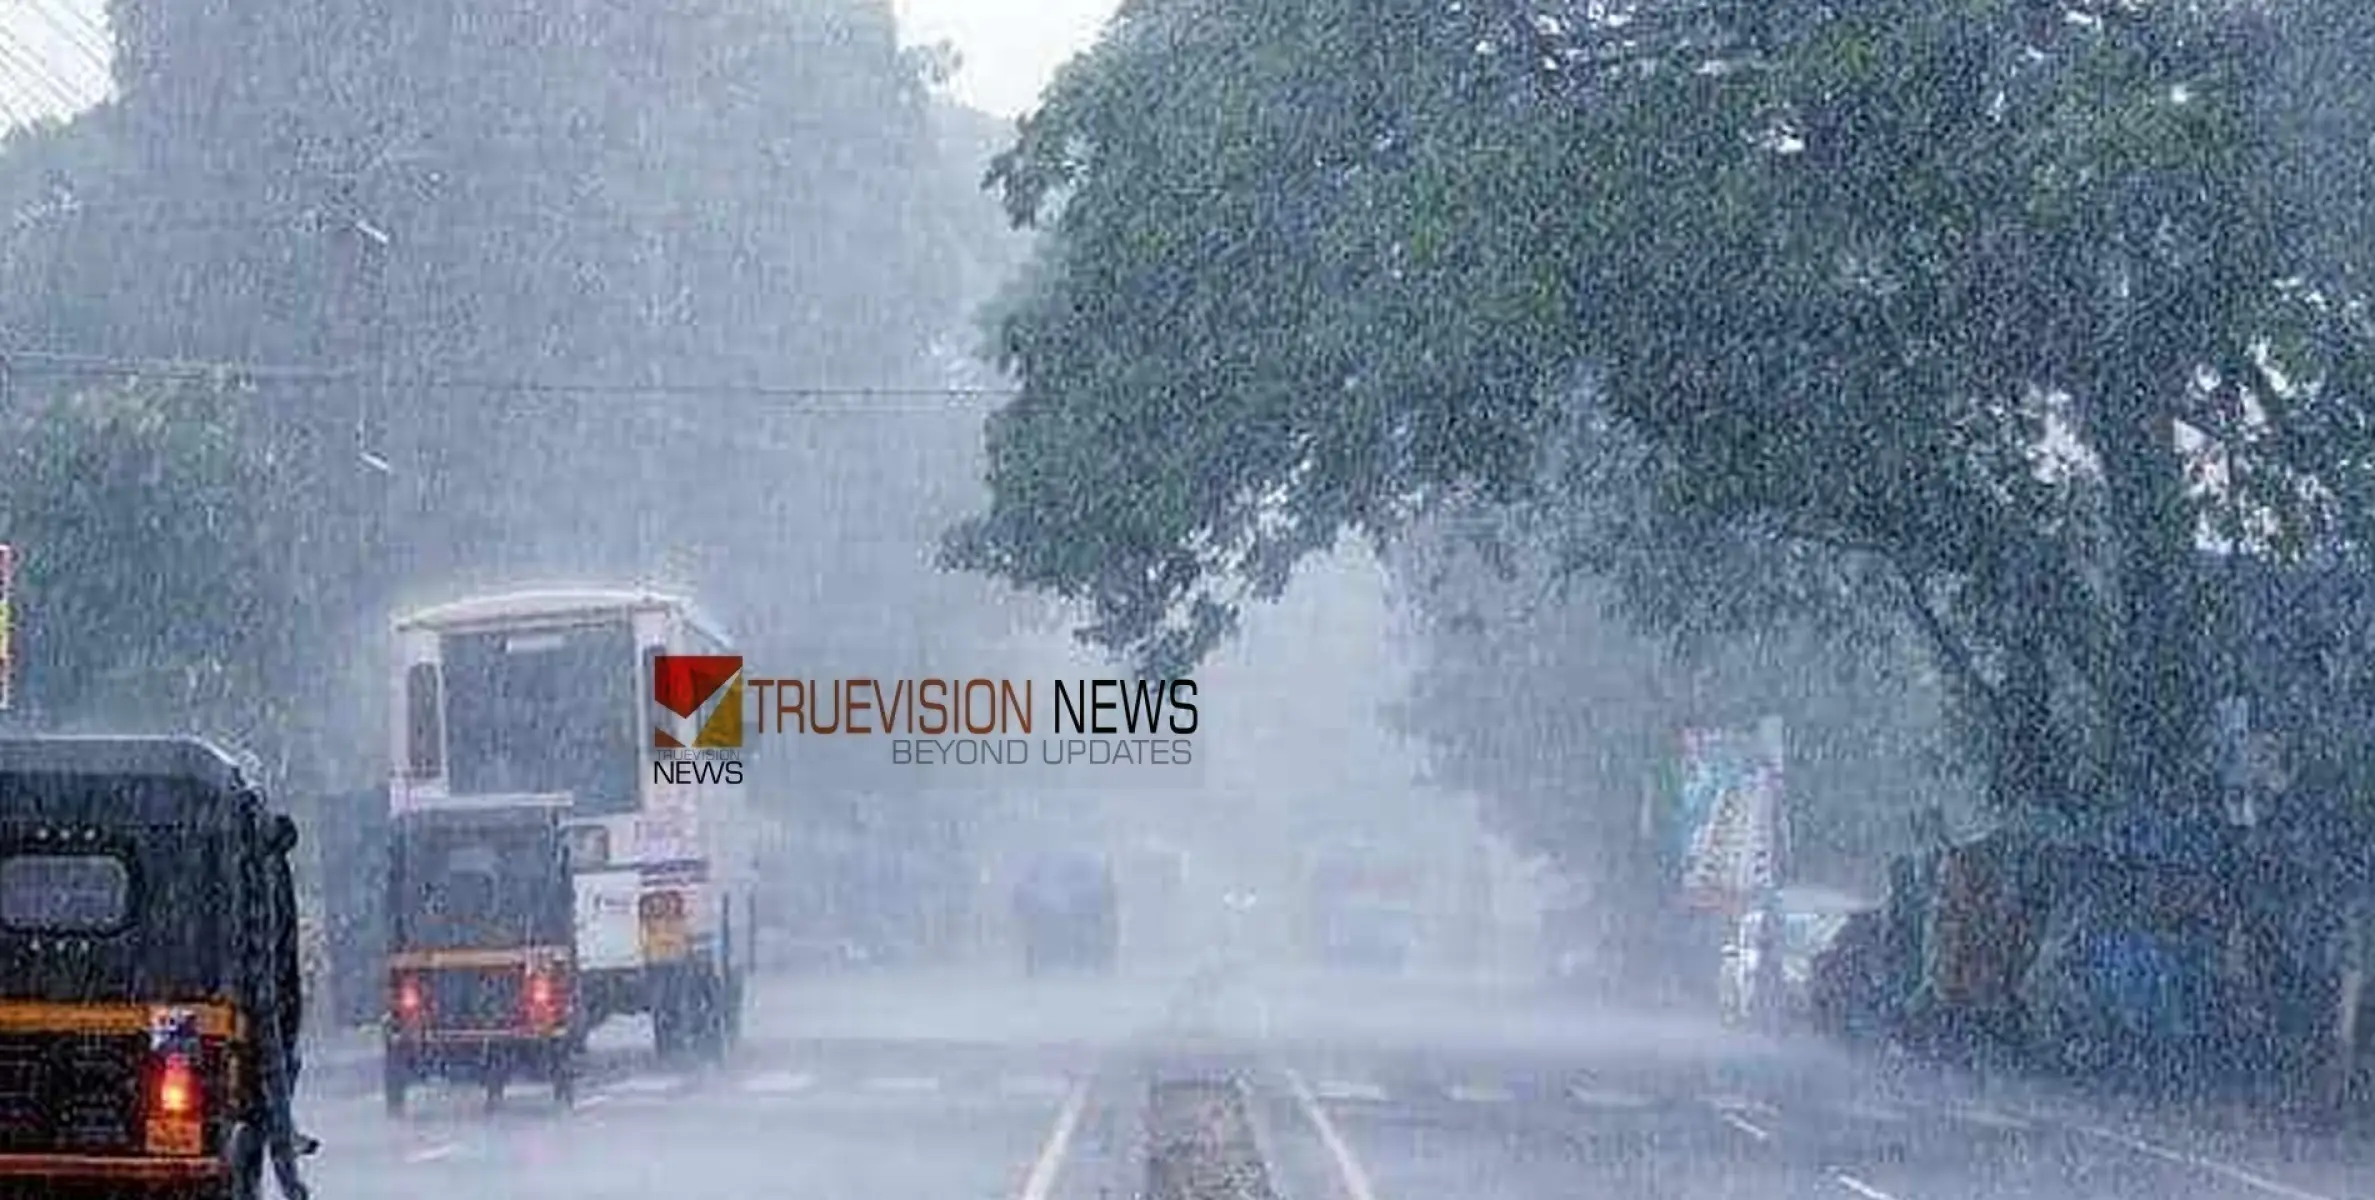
column 1732, row 827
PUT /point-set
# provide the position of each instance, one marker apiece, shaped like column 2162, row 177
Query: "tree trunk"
column 2154, row 686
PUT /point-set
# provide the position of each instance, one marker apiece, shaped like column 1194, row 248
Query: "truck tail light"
column 545, row 998
column 412, row 1005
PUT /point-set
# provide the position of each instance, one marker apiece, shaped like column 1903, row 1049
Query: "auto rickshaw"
column 481, row 952
column 146, row 971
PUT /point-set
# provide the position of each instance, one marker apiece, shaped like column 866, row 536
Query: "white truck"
column 504, row 699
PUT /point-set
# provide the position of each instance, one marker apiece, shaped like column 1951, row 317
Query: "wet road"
column 1004, row 1089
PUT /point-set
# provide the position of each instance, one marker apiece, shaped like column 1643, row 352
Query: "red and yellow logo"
column 701, row 692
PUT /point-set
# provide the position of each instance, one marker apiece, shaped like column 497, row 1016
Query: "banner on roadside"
column 1732, row 827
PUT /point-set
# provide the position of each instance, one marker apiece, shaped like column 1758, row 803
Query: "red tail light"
column 410, row 1004
column 177, row 1088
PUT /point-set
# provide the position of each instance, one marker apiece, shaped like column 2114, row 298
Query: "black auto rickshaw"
column 481, row 951
column 148, row 1003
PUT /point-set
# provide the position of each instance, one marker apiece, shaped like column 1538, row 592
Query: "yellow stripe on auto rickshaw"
column 42, row 1016
column 477, row 1037
column 107, row 1166
column 438, row 960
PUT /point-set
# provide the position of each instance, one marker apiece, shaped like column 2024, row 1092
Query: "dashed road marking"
column 1859, row 1187
column 1744, row 1125
column 1990, row 1118
column 903, row 1083
column 596, row 1100
column 1042, row 1178
column 1348, row 1168
column 779, row 1082
column 1745, row 1104
column 647, row 1085
column 2213, row 1166
column 429, row 1154
column 1339, row 1090
column 1598, row 1098
column 1473, row 1093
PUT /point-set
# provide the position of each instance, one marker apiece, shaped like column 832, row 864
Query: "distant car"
column 1370, row 936
column 1067, row 909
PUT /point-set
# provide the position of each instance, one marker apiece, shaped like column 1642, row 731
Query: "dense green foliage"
column 1919, row 316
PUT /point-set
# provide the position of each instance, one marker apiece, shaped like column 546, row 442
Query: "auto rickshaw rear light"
column 177, row 1088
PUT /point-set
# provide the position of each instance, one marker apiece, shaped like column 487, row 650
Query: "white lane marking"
column 1859, row 1187
column 640, row 1100
column 1481, row 1094
column 1339, row 1090
column 1035, row 1085
column 903, row 1083
column 596, row 1100
column 1348, row 1168
column 778, row 1082
column 1731, row 1103
column 647, row 1085
column 2199, row 1163
column 1990, row 1118
column 1042, row 1178
column 428, row 1154
column 1744, row 1125
column 1604, row 1099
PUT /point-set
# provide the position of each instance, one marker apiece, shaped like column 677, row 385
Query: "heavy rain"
column 1187, row 599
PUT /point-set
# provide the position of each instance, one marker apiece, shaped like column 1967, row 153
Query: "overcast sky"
column 1011, row 47
column 53, row 52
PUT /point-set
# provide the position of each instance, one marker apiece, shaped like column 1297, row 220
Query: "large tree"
column 1961, row 302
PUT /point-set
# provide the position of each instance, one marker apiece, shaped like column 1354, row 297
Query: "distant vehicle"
column 1371, row 934
column 546, row 698
column 1362, row 908
column 1067, row 908
column 481, row 957
column 148, row 920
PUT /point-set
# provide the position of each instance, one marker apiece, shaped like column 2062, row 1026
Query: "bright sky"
column 1011, row 47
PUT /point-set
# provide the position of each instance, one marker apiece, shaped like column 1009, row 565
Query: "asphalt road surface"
column 987, row 1086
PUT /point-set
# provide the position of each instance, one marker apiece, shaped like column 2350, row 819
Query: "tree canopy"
column 1995, row 316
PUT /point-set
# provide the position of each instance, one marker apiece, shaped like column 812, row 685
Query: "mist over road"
column 982, row 1083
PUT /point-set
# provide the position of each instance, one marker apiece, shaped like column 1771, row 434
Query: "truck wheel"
column 668, row 1019
column 736, row 997
column 395, row 1080
column 708, row 1017
column 564, row 1073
